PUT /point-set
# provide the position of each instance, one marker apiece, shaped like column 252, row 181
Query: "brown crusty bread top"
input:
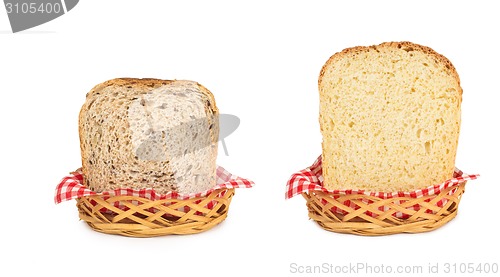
column 144, row 84
column 405, row 45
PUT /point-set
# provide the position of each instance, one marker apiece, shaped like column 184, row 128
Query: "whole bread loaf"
column 149, row 133
column 389, row 117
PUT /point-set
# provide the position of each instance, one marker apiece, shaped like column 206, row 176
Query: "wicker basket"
column 375, row 216
column 141, row 217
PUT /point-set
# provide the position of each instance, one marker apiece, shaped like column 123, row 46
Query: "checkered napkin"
column 311, row 179
column 71, row 187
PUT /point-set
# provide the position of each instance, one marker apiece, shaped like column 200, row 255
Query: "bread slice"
column 149, row 133
column 389, row 117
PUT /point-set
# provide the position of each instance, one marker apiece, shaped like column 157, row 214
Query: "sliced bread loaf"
column 149, row 133
column 389, row 117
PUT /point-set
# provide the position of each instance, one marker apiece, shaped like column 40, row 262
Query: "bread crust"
column 393, row 44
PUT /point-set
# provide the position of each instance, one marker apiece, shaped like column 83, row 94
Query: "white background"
column 261, row 60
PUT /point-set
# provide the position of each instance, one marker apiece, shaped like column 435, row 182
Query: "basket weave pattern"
column 373, row 216
column 142, row 217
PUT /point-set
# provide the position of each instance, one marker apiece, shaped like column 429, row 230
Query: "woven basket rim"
column 136, row 216
column 375, row 216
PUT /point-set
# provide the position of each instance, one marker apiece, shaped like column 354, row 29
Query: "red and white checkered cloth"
column 311, row 179
column 71, row 187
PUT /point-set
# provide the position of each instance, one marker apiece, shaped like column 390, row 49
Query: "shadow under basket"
column 141, row 217
column 374, row 216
